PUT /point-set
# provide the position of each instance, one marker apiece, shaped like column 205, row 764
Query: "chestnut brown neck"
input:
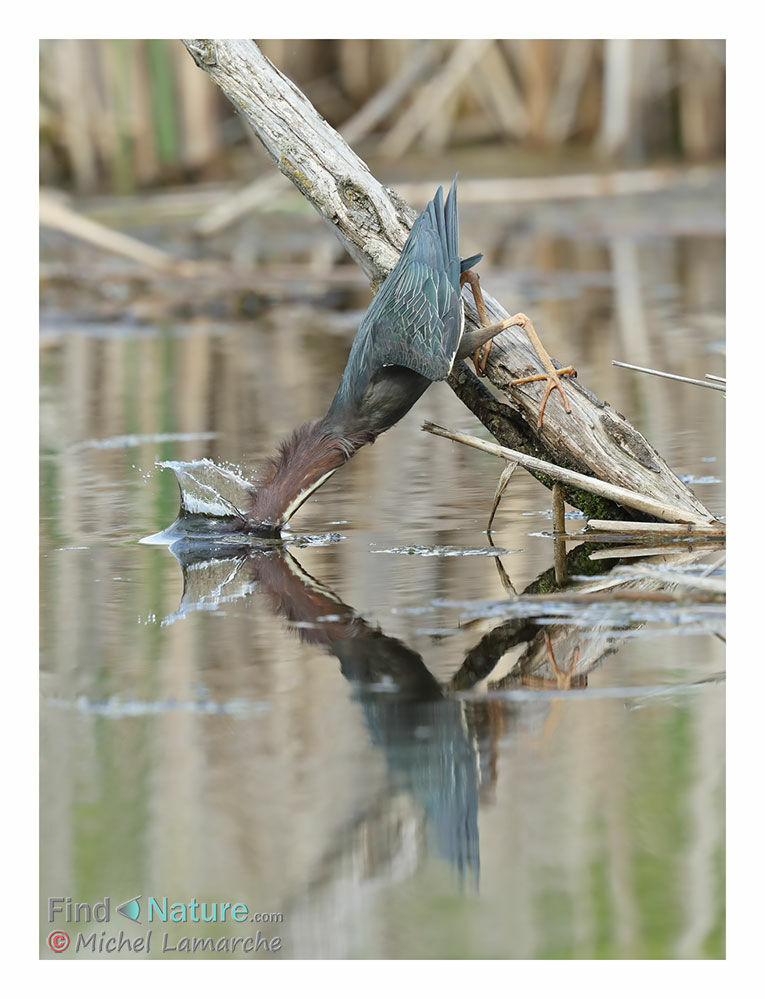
column 303, row 462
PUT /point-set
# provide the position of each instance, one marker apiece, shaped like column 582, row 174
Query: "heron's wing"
column 416, row 318
column 417, row 322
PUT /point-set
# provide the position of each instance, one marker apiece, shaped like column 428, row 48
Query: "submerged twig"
column 624, row 497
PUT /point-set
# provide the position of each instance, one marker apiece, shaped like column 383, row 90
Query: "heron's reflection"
column 440, row 749
column 430, row 750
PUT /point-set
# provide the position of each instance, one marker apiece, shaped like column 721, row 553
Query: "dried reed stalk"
column 624, row 497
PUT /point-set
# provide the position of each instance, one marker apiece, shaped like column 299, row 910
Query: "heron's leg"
column 482, row 352
column 481, row 355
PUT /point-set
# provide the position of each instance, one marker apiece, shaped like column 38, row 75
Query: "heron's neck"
column 303, row 463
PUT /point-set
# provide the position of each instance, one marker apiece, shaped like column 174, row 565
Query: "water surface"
column 359, row 731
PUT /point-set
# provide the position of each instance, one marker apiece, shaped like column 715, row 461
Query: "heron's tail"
column 445, row 219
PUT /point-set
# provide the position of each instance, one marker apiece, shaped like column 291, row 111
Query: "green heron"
column 411, row 335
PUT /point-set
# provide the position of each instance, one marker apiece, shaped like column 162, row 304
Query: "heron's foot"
column 553, row 382
column 563, row 678
column 551, row 372
column 489, row 330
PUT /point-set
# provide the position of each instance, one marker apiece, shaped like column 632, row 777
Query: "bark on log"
column 372, row 222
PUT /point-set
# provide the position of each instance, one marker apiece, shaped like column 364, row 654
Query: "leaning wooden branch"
column 355, row 129
column 372, row 223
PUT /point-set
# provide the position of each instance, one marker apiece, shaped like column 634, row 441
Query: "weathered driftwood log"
column 372, row 222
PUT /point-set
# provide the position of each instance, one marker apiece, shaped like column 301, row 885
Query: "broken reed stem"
column 504, row 478
column 624, row 497
column 559, row 532
column 559, row 560
column 558, row 509
column 675, row 378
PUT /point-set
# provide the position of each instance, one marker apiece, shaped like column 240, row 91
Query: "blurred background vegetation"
column 121, row 116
